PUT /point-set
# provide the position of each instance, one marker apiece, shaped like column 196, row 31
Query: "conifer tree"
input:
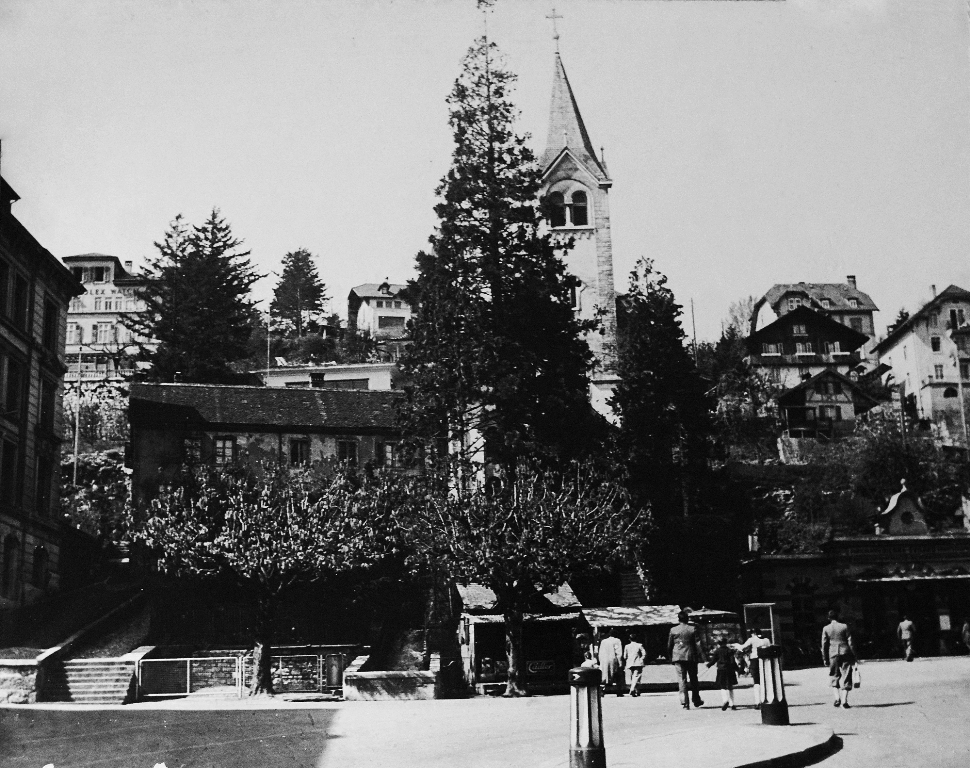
column 299, row 294
column 660, row 399
column 497, row 350
column 198, row 310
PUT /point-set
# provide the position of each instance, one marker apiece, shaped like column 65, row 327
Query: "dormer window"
column 794, row 302
column 826, row 304
column 579, row 210
column 854, row 303
column 557, row 214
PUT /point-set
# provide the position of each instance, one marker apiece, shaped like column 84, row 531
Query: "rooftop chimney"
column 933, row 288
column 128, row 266
column 851, row 280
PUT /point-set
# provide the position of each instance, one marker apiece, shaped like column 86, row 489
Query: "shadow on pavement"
column 883, row 706
column 119, row 739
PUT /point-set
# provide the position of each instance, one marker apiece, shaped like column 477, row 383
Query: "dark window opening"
column 388, row 321
column 14, row 394
column 20, row 302
column 4, row 287
column 299, row 451
column 557, row 210
column 347, row 452
column 38, row 575
column 580, row 210
column 855, row 323
column 935, row 343
column 10, row 550
column 8, row 473
column 48, row 399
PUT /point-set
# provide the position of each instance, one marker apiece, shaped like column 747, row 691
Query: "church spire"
column 567, row 130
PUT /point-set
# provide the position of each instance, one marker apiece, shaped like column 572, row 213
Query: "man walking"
column 611, row 657
column 684, row 652
column 838, row 652
column 634, row 654
column 906, row 632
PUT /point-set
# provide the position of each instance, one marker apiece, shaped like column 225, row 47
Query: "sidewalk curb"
column 807, row 756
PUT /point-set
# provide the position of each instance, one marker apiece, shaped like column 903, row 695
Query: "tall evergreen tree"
column 497, row 351
column 198, row 309
column 661, row 401
column 300, row 293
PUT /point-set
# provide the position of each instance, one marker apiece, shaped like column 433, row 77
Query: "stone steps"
column 101, row 681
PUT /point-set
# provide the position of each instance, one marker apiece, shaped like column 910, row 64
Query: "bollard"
column 586, row 748
column 774, row 706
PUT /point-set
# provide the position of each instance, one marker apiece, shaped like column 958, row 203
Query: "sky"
column 750, row 143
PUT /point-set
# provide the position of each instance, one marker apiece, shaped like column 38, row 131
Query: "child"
column 726, row 672
column 589, row 662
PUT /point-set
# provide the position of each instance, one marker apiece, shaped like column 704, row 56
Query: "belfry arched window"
column 580, row 214
column 557, row 209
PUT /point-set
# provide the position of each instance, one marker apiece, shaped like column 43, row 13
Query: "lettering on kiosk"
column 539, row 667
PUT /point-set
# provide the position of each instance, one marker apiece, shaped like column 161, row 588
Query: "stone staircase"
column 90, row 681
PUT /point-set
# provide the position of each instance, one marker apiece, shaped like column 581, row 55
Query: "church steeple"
column 576, row 184
column 567, row 130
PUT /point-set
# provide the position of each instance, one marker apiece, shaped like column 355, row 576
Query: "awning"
column 497, row 618
column 481, row 598
column 912, row 577
column 633, row 616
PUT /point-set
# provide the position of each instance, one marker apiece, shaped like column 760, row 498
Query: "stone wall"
column 18, row 682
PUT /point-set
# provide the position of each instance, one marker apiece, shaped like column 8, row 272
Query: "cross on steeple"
column 555, row 30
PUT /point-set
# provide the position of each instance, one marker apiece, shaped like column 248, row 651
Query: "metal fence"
column 221, row 675
column 180, row 677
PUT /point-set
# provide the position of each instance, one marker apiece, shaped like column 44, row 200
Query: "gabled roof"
column 950, row 293
column 373, row 290
column 838, row 295
column 858, row 395
column 263, row 408
column 567, row 131
column 853, row 339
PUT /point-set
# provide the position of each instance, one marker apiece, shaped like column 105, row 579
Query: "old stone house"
column 177, row 424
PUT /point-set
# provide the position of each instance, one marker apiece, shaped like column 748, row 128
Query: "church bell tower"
column 577, row 185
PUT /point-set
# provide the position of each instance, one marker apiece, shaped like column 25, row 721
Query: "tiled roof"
column 837, row 331
column 372, row 290
column 567, row 130
column 838, row 295
column 951, row 292
column 324, row 409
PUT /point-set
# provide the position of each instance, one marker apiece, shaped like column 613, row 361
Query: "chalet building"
column 99, row 347
column 35, row 290
column 842, row 302
column 902, row 568
column 379, row 310
column 824, row 406
column 177, row 424
column 927, row 357
column 803, row 343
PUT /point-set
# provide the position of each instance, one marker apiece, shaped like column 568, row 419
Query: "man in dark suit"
column 684, row 652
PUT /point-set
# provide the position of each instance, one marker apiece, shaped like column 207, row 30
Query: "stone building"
column 35, row 289
column 177, row 424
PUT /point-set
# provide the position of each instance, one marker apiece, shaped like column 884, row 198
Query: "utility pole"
column 693, row 323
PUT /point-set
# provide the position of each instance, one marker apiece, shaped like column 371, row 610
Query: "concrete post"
column 774, row 706
column 586, row 748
